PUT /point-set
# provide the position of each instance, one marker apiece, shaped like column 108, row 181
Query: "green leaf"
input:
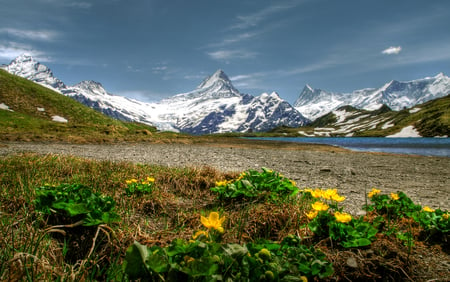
column 134, row 264
column 76, row 209
column 157, row 261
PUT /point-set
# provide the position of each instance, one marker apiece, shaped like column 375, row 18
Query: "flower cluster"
column 374, row 192
column 135, row 186
column 328, row 220
column 330, row 195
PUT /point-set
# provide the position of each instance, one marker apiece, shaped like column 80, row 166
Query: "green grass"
column 33, row 248
column 26, row 122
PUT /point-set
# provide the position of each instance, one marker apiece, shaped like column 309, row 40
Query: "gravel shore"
column 426, row 180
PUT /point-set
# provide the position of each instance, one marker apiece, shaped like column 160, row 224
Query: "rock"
column 351, row 261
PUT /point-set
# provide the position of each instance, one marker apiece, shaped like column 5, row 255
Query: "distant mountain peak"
column 219, row 77
column 88, row 84
column 24, row 58
column 308, row 87
column 26, row 66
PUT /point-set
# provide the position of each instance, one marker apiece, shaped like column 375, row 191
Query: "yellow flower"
column 307, row 190
column 293, row 182
column 428, row 209
column 374, row 192
column 150, row 179
column 317, row 193
column 329, row 193
column 221, row 183
column 342, row 217
column 131, row 181
column 213, row 221
column 199, row 233
column 338, row 198
column 303, row 278
column 319, row 206
column 312, row 214
column 394, row 196
column 445, row 216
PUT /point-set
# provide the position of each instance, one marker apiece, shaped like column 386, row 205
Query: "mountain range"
column 216, row 106
column 397, row 95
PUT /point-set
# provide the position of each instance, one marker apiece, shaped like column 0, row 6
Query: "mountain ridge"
column 214, row 106
column 313, row 103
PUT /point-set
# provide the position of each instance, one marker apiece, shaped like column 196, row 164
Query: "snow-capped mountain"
column 25, row 66
column 214, row 106
column 313, row 103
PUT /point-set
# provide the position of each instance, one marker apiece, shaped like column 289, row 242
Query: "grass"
column 32, row 248
column 26, row 123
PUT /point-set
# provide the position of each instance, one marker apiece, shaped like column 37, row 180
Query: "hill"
column 29, row 111
column 429, row 119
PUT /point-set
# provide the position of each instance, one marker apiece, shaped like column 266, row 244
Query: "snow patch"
column 408, row 131
column 387, row 125
column 5, row 107
column 305, row 134
column 41, row 109
column 415, row 110
column 59, row 119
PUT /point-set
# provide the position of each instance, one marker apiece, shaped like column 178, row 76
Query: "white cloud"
column 231, row 54
column 255, row 18
column 69, row 3
column 235, row 38
column 159, row 69
column 81, row 5
column 11, row 50
column 392, row 50
column 40, row 35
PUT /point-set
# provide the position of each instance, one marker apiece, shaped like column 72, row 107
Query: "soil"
column 426, row 180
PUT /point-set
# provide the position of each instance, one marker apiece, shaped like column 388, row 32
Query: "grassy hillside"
column 429, row 119
column 32, row 107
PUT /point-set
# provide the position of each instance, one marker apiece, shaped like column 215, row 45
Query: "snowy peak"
column 25, row 66
column 91, row 86
column 216, row 86
column 218, row 77
column 218, row 82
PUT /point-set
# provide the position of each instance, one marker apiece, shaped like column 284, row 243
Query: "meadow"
column 67, row 218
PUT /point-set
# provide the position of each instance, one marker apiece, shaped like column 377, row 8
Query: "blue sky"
column 151, row 49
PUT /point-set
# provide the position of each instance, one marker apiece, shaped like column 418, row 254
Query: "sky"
column 153, row 49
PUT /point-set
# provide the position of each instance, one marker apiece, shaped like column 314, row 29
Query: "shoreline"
column 426, row 180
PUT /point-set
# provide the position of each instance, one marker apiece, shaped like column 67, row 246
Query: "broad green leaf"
column 134, row 263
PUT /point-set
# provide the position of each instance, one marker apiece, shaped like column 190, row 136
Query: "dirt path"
column 425, row 179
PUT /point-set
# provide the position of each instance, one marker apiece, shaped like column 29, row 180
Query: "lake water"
column 415, row 146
